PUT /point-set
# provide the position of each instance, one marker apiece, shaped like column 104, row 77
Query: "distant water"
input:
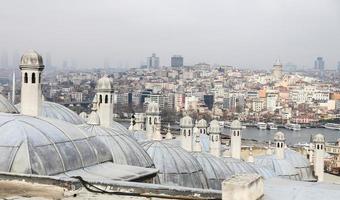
column 292, row 137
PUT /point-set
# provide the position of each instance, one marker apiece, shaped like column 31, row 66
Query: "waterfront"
column 292, row 137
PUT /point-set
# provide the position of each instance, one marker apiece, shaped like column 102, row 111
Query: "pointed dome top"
column 153, row 108
column 235, row 125
column 31, row 60
column 277, row 62
column 215, row 127
column 93, row 119
column 186, row 122
column 319, row 138
column 104, row 84
column 202, row 123
column 279, row 136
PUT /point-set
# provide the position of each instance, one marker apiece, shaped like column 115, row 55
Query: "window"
column 100, row 99
column 26, row 78
column 184, row 132
column 111, row 99
column 39, row 77
column 149, row 120
column 106, row 99
column 33, row 77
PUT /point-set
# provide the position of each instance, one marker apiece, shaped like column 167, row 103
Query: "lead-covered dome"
column 34, row 145
column 124, row 149
column 279, row 136
column 300, row 163
column 176, row 166
column 319, row 138
column 153, row 108
column 104, row 84
column 6, row 106
column 282, row 167
column 31, row 60
column 214, row 169
column 214, row 127
column 58, row 111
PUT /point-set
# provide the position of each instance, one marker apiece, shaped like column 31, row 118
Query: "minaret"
column 13, row 88
column 139, row 126
column 105, row 101
column 168, row 134
column 197, row 140
column 186, row 126
column 215, row 138
column 279, row 140
column 152, row 118
column 202, row 126
column 31, row 66
column 319, row 150
column 235, row 138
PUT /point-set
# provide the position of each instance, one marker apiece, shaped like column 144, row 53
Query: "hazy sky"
column 248, row 33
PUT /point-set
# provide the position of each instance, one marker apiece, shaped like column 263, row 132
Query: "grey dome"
column 281, row 167
column 124, row 149
column 238, row 166
column 153, row 108
column 31, row 60
column 34, row 145
column 6, row 106
column 300, row 163
column 214, row 127
column 118, row 127
column 214, row 169
column 279, row 136
column 176, row 166
column 58, row 111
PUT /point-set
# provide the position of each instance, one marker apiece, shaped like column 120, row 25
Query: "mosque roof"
column 6, row 106
column 176, row 166
column 44, row 146
column 214, row 168
column 58, row 111
column 124, row 149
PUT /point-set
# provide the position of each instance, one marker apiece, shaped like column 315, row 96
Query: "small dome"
column 236, row 125
column 282, row 167
column 58, row 111
column 34, row 145
column 104, row 84
column 214, row 169
column 124, row 149
column 93, row 118
column 279, row 136
column 31, row 60
column 6, row 106
column 186, row 122
column 214, row 127
column 153, row 108
column 318, row 138
column 277, row 62
column 202, row 123
column 176, row 166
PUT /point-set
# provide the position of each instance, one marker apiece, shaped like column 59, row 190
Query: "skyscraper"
column 176, row 61
column 319, row 65
column 153, row 61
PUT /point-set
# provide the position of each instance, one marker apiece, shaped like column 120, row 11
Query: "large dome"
column 281, row 167
column 300, row 163
column 124, row 149
column 6, row 106
column 34, row 145
column 176, row 166
column 58, row 111
column 214, row 168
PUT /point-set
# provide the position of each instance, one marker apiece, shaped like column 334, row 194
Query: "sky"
column 244, row 33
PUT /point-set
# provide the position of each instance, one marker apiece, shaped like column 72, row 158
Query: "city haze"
column 246, row 33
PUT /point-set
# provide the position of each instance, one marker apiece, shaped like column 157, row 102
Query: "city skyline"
column 123, row 33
